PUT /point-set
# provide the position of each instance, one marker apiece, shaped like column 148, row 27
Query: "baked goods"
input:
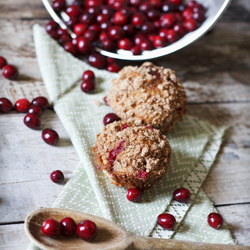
column 148, row 95
column 132, row 156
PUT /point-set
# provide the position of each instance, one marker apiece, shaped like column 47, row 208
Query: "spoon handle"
column 159, row 244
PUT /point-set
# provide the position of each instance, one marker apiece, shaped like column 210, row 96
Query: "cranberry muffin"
column 148, row 95
column 132, row 156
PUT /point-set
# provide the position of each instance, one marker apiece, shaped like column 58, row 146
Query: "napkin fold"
column 194, row 144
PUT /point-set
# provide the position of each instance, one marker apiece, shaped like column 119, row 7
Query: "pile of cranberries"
column 86, row 229
column 133, row 25
column 8, row 71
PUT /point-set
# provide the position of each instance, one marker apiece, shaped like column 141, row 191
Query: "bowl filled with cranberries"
column 131, row 30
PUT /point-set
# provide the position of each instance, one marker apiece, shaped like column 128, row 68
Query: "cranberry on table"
column 32, row 121
column 166, row 221
column 10, row 72
column 134, row 195
column 88, row 75
column 41, row 101
column 34, row 109
column 109, row 118
column 50, row 136
column 5, row 105
column 3, row 62
column 57, row 176
column 88, row 86
column 86, row 230
column 97, row 60
column 68, row 226
column 182, row 195
column 215, row 220
column 51, row 228
column 22, row 105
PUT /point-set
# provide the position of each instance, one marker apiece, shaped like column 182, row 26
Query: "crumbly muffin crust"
column 148, row 95
column 132, row 156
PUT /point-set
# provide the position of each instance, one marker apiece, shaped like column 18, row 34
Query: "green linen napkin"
column 194, row 147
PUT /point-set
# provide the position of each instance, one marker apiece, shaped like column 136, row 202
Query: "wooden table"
column 215, row 72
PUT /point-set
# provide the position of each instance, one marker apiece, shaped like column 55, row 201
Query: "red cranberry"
column 139, row 38
column 129, row 29
column 190, row 25
column 215, row 220
column 71, row 48
column 198, row 8
column 191, row 4
column 83, row 45
column 68, row 226
column 107, row 11
column 135, row 3
column 88, row 86
column 108, row 45
column 125, row 44
column 22, row 105
column 86, row 230
column 103, row 36
column 159, row 42
column 34, row 109
column 87, row 18
column 90, row 3
column 54, row 34
column 179, row 17
column 176, row 2
column 101, row 18
column 151, row 37
column 72, row 22
column 147, row 28
column 187, row 14
column 120, row 18
column 41, row 101
column 153, row 15
column 119, row 4
column 178, row 28
column 113, row 68
column 166, row 221
column 199, row 16
column 64, row 39
column 88, row 75
column 109, row 118
column 94, row 10
column 114, row 152
column 116, row 33
column 58, row 5
column 167, row 7
column 145, row 7
column 51, row 228
column 3, row 62
column 5, row 105
column 95, row 27
column 73, row 10
column 79, row 29
column 157, row 24
column 57, row 176
column 32, row 121
column 105, row 26
column 163, row 32
column 51, row 26
column 156, row 3
column 146, row 45
column 90, row 35
column 136, row 50
column 97, row 60
column 168, row 20
column 10, row 72
column 138, row 19
column 50, row 136
column 124, row 126
column 111, row 60
column 172, row 36
column 182, row 195
column 134, row 195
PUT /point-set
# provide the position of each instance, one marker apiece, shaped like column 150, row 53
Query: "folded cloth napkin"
column 194, row 146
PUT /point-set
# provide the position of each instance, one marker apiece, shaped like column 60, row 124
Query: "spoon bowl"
column 110, row 236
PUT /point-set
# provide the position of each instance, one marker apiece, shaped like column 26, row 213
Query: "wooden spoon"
column 110, row 236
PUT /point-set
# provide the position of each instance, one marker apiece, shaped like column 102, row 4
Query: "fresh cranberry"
column 179, row 17
column 175, row 2
column 51, row 26
column 32, row 121
column 138, row 19
column 146, row 45
column 182, row 195
column 135, row 3
column 58, row 5
column 73, row 10
column 54, row 34
column 50, row 136
column 5, row 105
column 120, row 18
column 190, row 25
column 95, row 27
column 10, row 72
column 187, row 14
column 111, row 60
column 34, row 109
column 105, row 26
column 139, row 38
column 166, row 221
column 136, row 50
column 109, row 118
column 97, row 60
column 199, row 16
column 79, row 29
column 198, row 8
column 114, row 152
column 129, row 29
column 108, row 45
column 147, row 28
column 125, row 44
column 51, row 228
column 114, row 67
column 145, row 7
column 119, row 4
column 178, row 28
column 151, row 37
column 103, row 36
column 68, row 226
column 22, row 105
column 57, row 176
column 157, row 24
column 191, row 4
column 116, row 33
column 90, row 35
column 167, row 7
column 88, row 75
column 87, row 18
column 71, row 48
column 88, row 86
column 215, row 220
column 107, row 11
column 72, row 22
column 163, row 32
column 134, row 195
column 90, row 3
column 101, row 18
column 64, row 39
column 153, row 15
column 41, row 101
column 159, row 42
column 172, row 36
column 86, row 230
column 83, row 45
column 3, row 62
column 94, row 10
column 168, row 20
column 156, row 3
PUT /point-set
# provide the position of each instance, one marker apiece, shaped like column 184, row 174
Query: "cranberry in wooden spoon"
column 51, row 228
column 50, row 136
column 215, row 220
column 57, row 176
column 68, row 226
column 182, row 195
column 10, row 72
column 86, row 230
column 134, row 195
column 166, row 221
column 5, row 105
